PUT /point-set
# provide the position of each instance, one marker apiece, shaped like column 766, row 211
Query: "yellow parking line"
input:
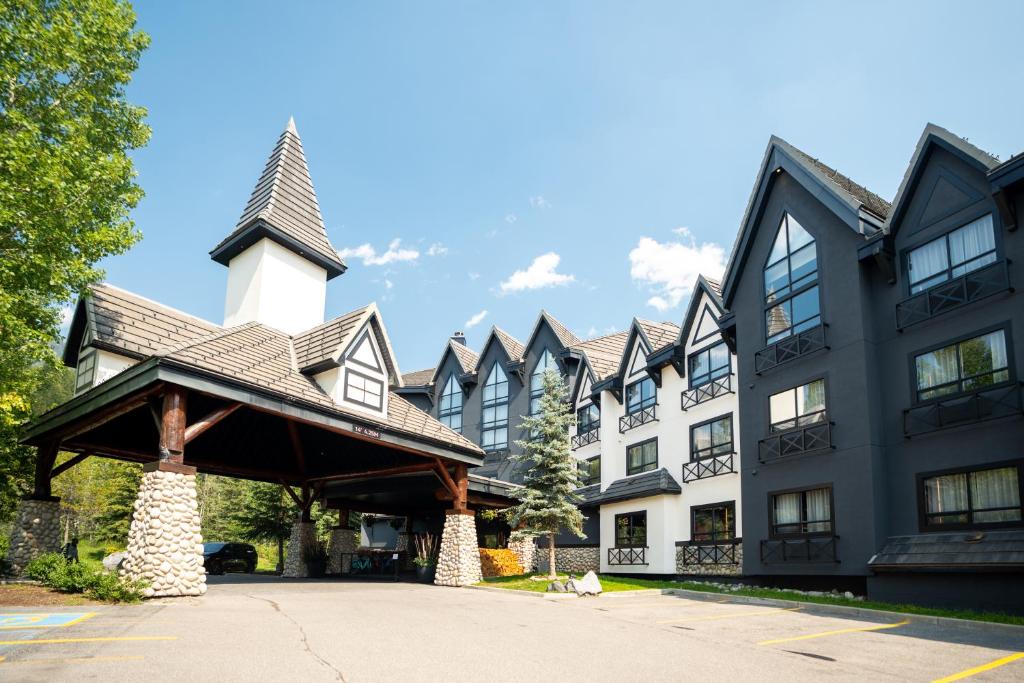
column 809, row 636
column 979, row 669
column 49, row 641
column 88, row 615
column 735, row 615
column 77, row 660
column 679, row 605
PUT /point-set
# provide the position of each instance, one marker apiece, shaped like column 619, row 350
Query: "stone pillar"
column 165, row 545
column 342, row 541
column 301, row 541
column 458, row 563
column 525, row 551
column 36, row 531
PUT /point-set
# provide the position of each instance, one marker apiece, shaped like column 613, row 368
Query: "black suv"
column 227, row 557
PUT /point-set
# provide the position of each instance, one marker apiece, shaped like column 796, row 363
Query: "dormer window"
column 790, row 282
column 494, row 425
column 954, row 254
column 364, row 390
column 545, row 363
column 449, row 412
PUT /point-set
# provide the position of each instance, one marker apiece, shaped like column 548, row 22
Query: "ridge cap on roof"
column 333, row 320
column 211, row 336
column 107, row 285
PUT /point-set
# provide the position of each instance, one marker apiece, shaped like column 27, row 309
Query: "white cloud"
column 540, row 274
column 388, row 284
column 394, row 254
column 437, row 249
column 473, row 275
column 510, row 218
column 476, row 319
column 669, row 269
column 538, row 202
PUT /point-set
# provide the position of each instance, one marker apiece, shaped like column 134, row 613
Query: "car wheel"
column 214, row 567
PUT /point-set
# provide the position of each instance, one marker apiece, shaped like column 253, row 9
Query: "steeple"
column 283, row 208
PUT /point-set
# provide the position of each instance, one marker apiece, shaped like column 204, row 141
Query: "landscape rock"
column 112, row 562
column 557, row 587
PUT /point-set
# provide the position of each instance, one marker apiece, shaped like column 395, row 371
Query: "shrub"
column 45, row 566
column 499, row 562
column 56, row 572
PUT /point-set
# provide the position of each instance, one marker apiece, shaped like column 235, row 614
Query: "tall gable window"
column 494, row 427
column 790, row 282
column 709, row 364
column 954, row 254
column 449, row 412
column 545, row 363
column 962, row 367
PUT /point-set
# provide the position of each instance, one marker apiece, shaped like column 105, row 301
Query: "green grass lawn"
column 612, row 584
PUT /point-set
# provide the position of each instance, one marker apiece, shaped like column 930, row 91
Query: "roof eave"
column 258, row 229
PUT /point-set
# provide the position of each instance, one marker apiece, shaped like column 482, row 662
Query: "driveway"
column 252, row 627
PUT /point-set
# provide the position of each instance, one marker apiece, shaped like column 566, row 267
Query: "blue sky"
column 615, row 142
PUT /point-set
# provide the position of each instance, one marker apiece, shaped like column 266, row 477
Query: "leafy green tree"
column 66, row 177
column 267, row 514
column 547, row 501
column 219, row 500
column 118, row 491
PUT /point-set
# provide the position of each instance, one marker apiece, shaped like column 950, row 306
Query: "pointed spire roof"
column 283, row 207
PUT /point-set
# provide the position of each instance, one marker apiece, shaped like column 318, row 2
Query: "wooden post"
column 46, row 456
column 172, row 431
column 462, row 484
column 307, row 503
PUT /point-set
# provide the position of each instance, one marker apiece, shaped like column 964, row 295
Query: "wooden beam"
column 483, row 501
column 388, row 471
column 68, row 464
column 199, row 427
column 107, row 414
column 293, row 434
column 291, row 493
column 446, row 478
column 462, row 481
column 46, row 455
column 172, row 432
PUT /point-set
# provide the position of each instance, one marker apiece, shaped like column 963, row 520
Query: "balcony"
column 633, row 420
column 706, row 392
column 627, row 556
column 592, row 435
column 709, row 467
column 790, row 348
column 810, row 549
column 954, row 294
column 985, row 404
column 709, row 552
column 797, row 441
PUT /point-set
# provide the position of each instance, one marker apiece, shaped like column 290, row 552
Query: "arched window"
column 449, row 412
column 546, row 362
column 790, row 282
column 494, row 426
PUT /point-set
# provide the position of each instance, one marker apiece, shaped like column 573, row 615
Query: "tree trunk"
column 280, row 554
column 552, row 574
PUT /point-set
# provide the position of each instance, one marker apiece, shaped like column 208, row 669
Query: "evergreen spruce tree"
column 547, row 501
column 267, row 514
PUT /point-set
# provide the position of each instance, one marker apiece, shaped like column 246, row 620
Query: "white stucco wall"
column 275, row 286
column 109, row 364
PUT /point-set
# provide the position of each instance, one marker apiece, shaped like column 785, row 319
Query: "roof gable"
column 602, row 354
column 510, row 346
column 283, row 207
column 562, row 333
column 465, row 358
column 702, row 312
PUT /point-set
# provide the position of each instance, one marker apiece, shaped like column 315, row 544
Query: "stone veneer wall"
column 165, row 546
column 341, row 541
column 710, row 569
column 303, row 537
column 570, row 559
column 458, row 562
column 36, row 531
column 526, row 553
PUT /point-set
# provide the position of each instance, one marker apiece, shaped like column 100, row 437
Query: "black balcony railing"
column 592, row 435
column 810, row 549
column 977, row 406
column 797, row 441
column 706, row 392
column 790, row 348
column 627, row 556
column 711, row 552
column 966, row 289
column 709, row 467
column 631, row 420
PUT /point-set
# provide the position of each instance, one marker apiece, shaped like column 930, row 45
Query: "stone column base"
column 36, row 531
column 165, row 545
column 458, row 563
column 341, row 541
column 303, row 538
column 525, row 551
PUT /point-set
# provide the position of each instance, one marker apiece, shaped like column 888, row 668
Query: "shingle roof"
column 467, row 357
column 603, row 353
column 418, row 378
column 869, row 199
column 285, row 200
column 321, row 343
column 964, row 550
column 589, row 494
column 653, row 483
column 659, row 334
column 136, row 325
column 565, row 336
column 513, row 347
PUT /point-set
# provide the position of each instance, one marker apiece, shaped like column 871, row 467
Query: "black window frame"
column 923, row 514
column 715, row 539
column 997, row 251
column 772, row 526
column 87, row 360
column 710, row 376
column 644, row 404
column 732, row 438
column 537, row 394
column 632, row 526
column 1011, row 369
column 791, row 292
column 586, row 466
column 582, row 426
column 798, row 421
column 644, row 467
column 349, row 372
column 448, row 413
column 494, row 403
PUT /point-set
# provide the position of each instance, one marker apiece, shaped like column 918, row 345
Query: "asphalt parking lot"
column 271, row 629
